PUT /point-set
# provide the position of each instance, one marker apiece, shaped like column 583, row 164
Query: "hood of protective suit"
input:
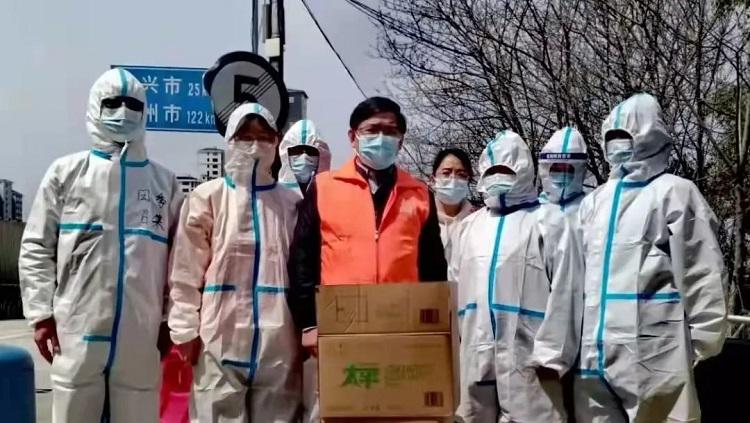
column 510, row 150
column 566, row 146
column 641, row 117
column 114, row 83
column 261, row 169
column 303, row 132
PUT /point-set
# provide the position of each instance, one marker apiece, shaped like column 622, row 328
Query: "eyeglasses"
column 117, row 102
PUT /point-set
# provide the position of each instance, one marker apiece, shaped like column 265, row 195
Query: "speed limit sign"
column 243, row 77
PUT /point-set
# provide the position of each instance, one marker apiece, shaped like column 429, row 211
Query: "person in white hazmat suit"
column 229, row 312
column 93, row 263
column 562, row 169
column 654, row 292
column 304, row 154
column 510, row 276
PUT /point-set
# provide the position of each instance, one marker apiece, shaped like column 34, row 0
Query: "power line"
column 320, row 28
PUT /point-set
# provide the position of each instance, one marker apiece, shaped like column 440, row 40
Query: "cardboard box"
column 385, row 308
column 390, row 375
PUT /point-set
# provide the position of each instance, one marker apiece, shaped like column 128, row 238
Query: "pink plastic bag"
column 177, row 377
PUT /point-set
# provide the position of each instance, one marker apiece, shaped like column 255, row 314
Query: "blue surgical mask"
column 619, row 151
column 561, row 180
column 378, row 151
column 451, row 191
column 303, row 166
column 121, row 121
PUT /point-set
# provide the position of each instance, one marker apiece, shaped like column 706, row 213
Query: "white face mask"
column 303, row 166
column 451, row 191
column 242, row 156
column 498, row 184
column 495, row 186
column 121, row 121
column 619, row 150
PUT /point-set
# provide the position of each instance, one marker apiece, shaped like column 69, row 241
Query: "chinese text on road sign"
column 176, row 99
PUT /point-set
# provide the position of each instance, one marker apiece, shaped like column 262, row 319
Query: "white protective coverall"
column 654, row 296
column 229, row 284
column 304, row 132
column 94, row 256
column 505, row 267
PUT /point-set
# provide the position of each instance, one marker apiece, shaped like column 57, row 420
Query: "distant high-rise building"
column 17, row 206
column 188, row 183
column 210, row 163
column 11, row 202
column 297, row 107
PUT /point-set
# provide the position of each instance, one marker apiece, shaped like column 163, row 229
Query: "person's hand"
column 310, row 341
column 163, row 342
column 190, row 350
column 45, row 337
column 545, row 373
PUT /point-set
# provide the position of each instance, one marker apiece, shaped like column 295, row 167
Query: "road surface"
column 18, row 333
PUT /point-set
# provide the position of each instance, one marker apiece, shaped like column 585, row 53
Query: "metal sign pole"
column 254, row 26
column 274, row 34
column 282, row 34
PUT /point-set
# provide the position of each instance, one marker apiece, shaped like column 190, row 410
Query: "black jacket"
column 304, row 255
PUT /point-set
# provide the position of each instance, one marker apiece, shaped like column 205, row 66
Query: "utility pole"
column 275, row 33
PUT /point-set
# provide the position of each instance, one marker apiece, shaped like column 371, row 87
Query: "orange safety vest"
column 353, row 250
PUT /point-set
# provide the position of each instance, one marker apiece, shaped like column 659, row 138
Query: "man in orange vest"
column 368, row 222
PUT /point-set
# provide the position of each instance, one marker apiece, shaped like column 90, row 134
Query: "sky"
column 55, row 50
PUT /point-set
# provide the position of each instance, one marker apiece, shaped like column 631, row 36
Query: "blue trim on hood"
column 492, row 142
column 304, row 132
column 123, row 82
column 566, row 140
column 618, row 114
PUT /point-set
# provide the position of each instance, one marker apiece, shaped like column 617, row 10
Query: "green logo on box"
column 361, row 376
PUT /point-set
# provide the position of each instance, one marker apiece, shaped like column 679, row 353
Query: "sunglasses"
column 117, row 102
column 301, row 149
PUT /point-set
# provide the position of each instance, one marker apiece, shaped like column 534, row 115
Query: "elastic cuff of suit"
column 39, row 318
column 182, row 337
